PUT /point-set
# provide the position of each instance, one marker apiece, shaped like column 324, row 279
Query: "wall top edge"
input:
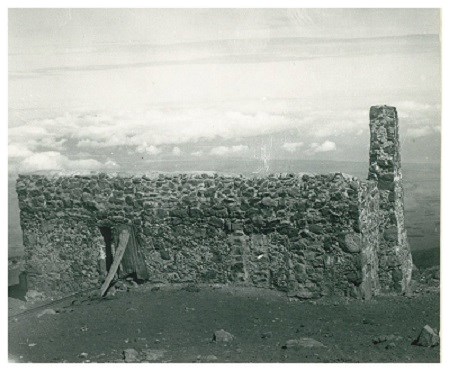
column 192, row 174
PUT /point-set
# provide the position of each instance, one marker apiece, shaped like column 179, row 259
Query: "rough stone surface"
column 221, row 336
column 131, row 355
column 325, row 234
column 295, row 243
column 394, row 256
column 152, row 355
column 428, row 337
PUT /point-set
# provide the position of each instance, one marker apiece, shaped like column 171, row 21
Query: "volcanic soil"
column 176, row 324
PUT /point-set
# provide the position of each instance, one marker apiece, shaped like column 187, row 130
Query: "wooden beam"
column 123, row 242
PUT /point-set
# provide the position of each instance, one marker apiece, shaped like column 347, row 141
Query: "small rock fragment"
column 302, row 343
column 131, row 355
column 266, row 335
column 386, row 338
column 428, row 337
column 151, row 355
column 83, row 355
column 75, row 302
column 221, row 336
column 390, row 345
column 301, row 294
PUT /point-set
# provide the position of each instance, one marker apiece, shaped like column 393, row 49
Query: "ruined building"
column 308, row 235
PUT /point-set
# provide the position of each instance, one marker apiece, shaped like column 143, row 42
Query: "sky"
column 120, row 89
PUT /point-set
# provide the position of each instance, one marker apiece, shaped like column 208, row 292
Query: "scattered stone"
column 121, row 286
column 131, row 355
column 221, row 336
column 386, row 338
column 33, row 295
column 301, row 294
column 266, row 335
column 303, row 343
column 391, row 345
column 428, row 337
column 46, row 311
column 83, row 355
column 151, row 355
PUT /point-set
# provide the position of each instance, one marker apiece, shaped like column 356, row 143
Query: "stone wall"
column 308, row 235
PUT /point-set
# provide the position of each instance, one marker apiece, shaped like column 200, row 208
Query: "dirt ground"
column 177, row 325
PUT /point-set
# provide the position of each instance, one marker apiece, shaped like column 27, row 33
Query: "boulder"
column 221, row 336
column 428, row 337
column 131, row 356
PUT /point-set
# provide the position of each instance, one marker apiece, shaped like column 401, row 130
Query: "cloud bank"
column 55, row 161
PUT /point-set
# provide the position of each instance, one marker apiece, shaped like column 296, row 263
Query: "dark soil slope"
column 178, row 325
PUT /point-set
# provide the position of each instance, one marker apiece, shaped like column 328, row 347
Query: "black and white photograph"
column 223, row 185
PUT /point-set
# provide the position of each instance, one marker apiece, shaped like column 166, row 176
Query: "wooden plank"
column 123, row 242
column 133, row 261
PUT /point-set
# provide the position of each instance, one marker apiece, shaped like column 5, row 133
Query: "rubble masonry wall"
column 308, row 235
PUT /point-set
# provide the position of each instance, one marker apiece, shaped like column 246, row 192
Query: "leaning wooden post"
column 123, row 242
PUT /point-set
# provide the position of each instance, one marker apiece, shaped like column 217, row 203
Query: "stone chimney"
column 394, row 255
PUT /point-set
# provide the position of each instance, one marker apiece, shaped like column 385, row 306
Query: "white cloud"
column 176, row 151
column 151, row 150
column 18, row 150
column 292, row 146
column 197, row 153
column 224, row 150
column 326, row 146
column 52, row 160
column 149, row 128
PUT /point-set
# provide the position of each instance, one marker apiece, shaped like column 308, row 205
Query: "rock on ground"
column 131, row 355
column 386, row 338
column 428, row 337
column 150, row 355
column 221, row 336
column 46, row 311
column 303, row 343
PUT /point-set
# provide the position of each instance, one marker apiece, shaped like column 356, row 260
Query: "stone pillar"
column 394, row 256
